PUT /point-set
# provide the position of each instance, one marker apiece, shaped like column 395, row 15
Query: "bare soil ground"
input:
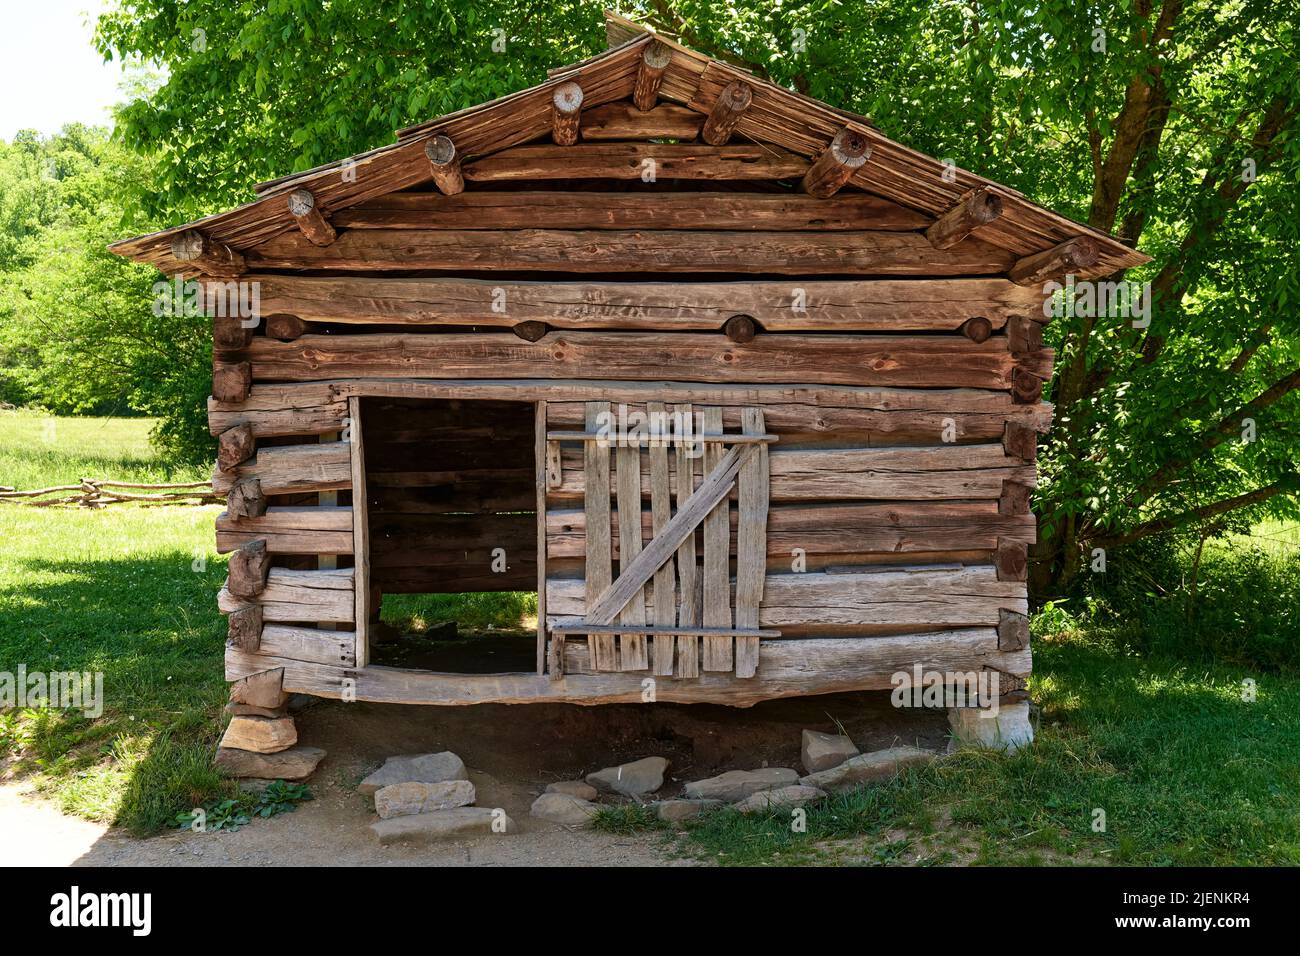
column 512, row 752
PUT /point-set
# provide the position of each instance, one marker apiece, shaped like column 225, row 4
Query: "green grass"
column 417, row 612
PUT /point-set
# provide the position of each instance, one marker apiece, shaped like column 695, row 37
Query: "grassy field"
column 1186, row 770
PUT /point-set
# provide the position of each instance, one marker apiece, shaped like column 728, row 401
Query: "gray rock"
column 564, row 809
column 736, row 785
column 822, row 751
column 633, row 779
column 296, row 763
column 574, row 788
column 442, row 825
column 406, row 799
column 795, row 796
column 415, row 768
column 867, row 768
column 1009, row 729
column 676, row 810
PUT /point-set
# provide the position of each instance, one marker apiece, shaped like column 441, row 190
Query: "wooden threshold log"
column 726, row 113
column 650, row 75
column 864, row 253
column 248, row 570
column 311, row 221
column 231, row 381
column 235, row 446
column 444, row 165
column 629, row 161
column 566, row 113
column 848, row 151
column 196, row 250
column 977, row 208
column 1072, row 256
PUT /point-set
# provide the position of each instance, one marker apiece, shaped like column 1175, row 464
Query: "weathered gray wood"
column 236, row 445
column 289, row 530
column 244, row 627
column 1013, row 630
column 541, row 462
column 598, row 571
column 665, row 582
column 291, row 595
column 309, row 644
column 245, row 499
column 288, row 469
column 717, row 550
column 360, row 534
column 631, row 646
column 751, row 544
column 248, row 570
column 688, row 609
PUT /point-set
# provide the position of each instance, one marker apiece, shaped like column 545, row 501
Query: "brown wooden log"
column 245, row 628
column 1012, row 560
column 444, row 165
column 261, row 688
column 977, row 208
column 650, row 75
column 740, row 328
column 235, row 445
column 229, row 332
column 1024, row 334
column 1070, row 257
column 530, row 331
column 311, row 221
column 1026, row 386
column 566, row 113
column 294, row 469
column 737, row 161
column 194, row 249
column 619, row 121
column 1015, row 498
column 289, row 530
column 249, row 567
column 245, row 499
column 845, row 155
column 300, row 596
column 1013, row 630
column 1020, row 441
column 231, row 381
column 726, row 113
column 286, row 328
column 977, row 328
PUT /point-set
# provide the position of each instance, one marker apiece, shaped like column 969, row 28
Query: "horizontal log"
column 886, row 474
column 290, row 530
column 291, row 469
column 300, row 596
column 636, row 161
column 785, row 669
column 886, row 305
column 309, row 644
column 913, row 361
column 274, row 410
column 562, row 250
column 464, row 579
column 623, row 120
column 634, row 210
column 451, row 540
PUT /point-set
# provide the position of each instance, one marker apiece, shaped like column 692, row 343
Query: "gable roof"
column 775, row 116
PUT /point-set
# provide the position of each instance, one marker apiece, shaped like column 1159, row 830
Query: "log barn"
column 746, row 391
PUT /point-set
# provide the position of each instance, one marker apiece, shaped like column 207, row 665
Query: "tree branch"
column 1284, row 485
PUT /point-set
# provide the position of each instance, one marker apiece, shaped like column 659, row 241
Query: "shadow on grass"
column 150, row 625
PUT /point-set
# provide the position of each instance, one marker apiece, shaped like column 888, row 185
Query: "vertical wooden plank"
column 360, row 535
column 599, row 572
column 688, row 612
column 554, row 469
column 751, row 543
column 541, row 461
column 631, row 647
column 717, row 558
column 661, row 511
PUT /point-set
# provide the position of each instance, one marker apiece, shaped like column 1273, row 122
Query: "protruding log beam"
column 846, row 154
column 1023, row 334
column 208, row 256
column 1068, row 258
column 566, row 113
column 444, row 165
column 979, row 207
column 1013, row 630
column 311, row 221
column 977, row 328
column 1026, row 387
column 249, row 567
column 286, row 328
column 245, row 628
column 235, row 445
column 650, row 75
column 740, row 329
column 1014, row 499
column 231, row 381
column 1012, row 560
column 229, row 332
column 530, row 331
column 245, row 499
column 1020, row 441
column 730, row 106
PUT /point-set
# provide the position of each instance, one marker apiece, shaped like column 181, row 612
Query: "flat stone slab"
column 675, row 811
column 736, row 785
column 634, row 779
column 795, row 796
column 564, row 809
column 443, row 825
column 1009, row 729
column 574, row 788
column 296, row 763
column 822, row 751
column 265, row 735
column 867, row 768
column 415, row 768
column 406, row 799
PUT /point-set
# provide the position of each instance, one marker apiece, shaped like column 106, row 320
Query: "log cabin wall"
column 648, row 228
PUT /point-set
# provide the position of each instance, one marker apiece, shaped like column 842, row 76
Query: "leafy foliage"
column 232, row 813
